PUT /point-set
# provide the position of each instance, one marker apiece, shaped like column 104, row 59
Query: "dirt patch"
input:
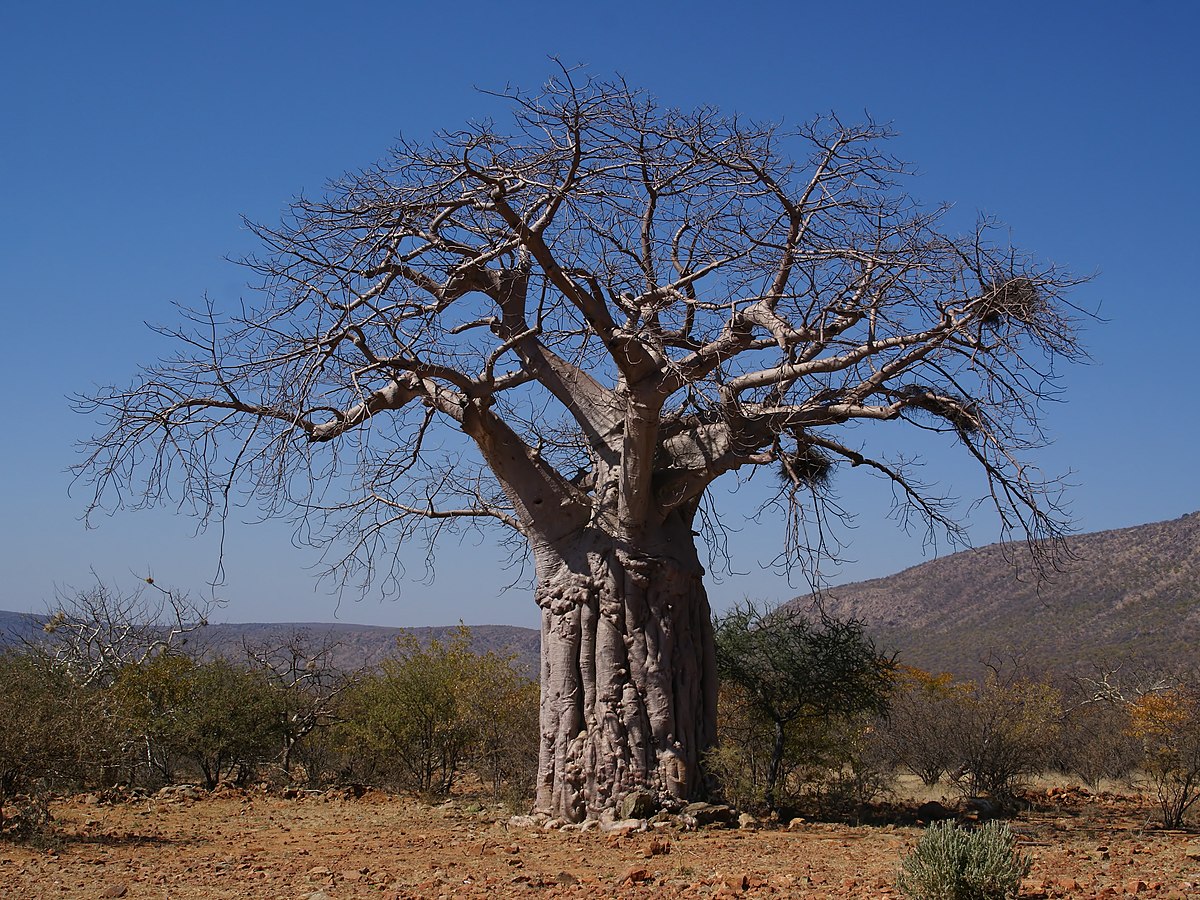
column 335, row 847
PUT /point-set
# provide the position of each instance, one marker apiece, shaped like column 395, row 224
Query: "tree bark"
column 776, row 764
column 628, row 686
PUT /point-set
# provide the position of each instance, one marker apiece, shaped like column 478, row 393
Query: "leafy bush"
column 1008, row 728
column 950, row 863
column 1168, row 725
column 434, row 711
column 799, row 675
column 222, row 718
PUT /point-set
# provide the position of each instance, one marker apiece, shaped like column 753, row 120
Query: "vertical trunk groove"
column 628, row 675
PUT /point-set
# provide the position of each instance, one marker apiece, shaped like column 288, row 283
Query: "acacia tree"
column 794, row 669
column 571, row 329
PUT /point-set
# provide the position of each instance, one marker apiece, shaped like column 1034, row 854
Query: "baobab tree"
column 570, row 328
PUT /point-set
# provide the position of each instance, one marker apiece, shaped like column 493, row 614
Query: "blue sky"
column 134, row 135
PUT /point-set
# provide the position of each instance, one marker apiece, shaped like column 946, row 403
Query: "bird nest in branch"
column 1015, row 299
column 807, row 466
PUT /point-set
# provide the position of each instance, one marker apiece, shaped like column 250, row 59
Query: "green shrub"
column 436, row 710
column 220, row 718
column 54, row 735
column 950, row 863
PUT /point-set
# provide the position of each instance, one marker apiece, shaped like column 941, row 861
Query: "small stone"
column 747, row 821
column 638, row 805
column 636, row 875
column 737, row 883
column 710, row 813
column 115, row 890
column 624, row 826
column 1135, row 886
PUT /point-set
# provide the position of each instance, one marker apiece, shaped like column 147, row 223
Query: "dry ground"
column 250, row 844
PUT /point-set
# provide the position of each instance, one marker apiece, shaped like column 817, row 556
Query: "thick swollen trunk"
column 629, row 690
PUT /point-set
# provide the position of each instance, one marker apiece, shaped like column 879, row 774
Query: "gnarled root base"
column 628, row 681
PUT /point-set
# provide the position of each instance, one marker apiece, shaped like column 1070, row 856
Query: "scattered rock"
column 580, row 827
column 704, row 814
column 115, row 890
column 932, row 811
column 656, row 846
column 624, row 826
column 534, row 821
column 636, row 875
column 638, row 805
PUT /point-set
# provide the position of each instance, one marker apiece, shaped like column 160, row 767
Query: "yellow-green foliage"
column 433, row 710
column 1168, row 725
column 217, row 716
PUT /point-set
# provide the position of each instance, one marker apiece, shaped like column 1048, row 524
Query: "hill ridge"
column 1131, row 592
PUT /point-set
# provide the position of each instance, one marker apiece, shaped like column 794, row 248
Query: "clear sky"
column 134, row 135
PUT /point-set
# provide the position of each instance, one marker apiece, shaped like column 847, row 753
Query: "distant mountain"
column 354, row 646
column 1131, row 594
column 18, row 627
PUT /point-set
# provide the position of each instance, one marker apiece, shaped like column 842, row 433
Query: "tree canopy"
column 616, row 302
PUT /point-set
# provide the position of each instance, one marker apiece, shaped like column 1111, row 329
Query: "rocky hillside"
column 1131, row 594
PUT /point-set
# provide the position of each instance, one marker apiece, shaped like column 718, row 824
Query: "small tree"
column 1167, row 723
column 1097, row 742
column 503, row 704
column 148, row 698
column 307, row 687
column 924, row 714
column 92, row 634
column 53, row 731
column 222, row 718
column 1007, row 729
column 795, row 670
column 435, row 709
column 412, row 717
